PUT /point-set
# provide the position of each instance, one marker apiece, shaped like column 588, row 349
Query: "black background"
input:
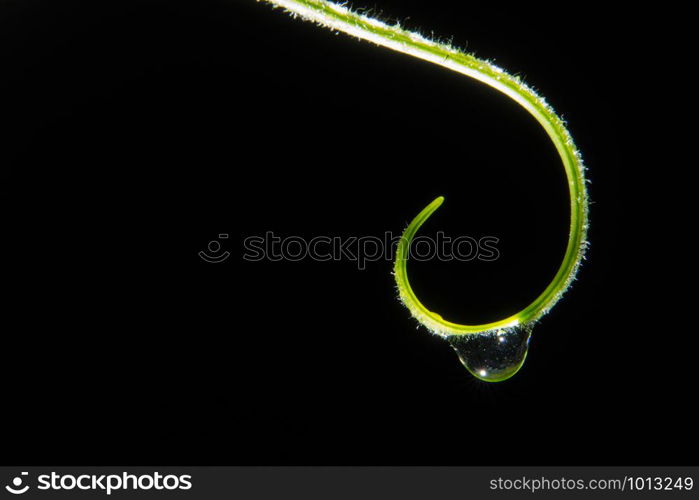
column 135, row 132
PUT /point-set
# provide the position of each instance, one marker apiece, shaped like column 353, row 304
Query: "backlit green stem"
column 340, row 18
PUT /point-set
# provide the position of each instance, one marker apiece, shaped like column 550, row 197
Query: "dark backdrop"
column 136, row 132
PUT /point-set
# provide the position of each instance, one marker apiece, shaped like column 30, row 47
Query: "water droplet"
column 493, row 356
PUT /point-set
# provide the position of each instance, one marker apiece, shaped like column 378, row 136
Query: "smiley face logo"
column 215, row 254
column 16, row 487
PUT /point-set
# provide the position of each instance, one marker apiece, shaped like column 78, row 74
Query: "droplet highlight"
column 495, row 355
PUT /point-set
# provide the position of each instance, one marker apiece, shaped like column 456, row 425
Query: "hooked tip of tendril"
column 436, row 203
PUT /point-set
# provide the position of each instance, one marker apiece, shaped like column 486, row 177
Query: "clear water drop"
column 493, row 356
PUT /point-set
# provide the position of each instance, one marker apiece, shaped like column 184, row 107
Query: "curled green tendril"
column 340, row 18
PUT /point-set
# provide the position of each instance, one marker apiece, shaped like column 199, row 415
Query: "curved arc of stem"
column 340, row 18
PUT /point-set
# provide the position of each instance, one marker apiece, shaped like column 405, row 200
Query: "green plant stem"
column 342, row 19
